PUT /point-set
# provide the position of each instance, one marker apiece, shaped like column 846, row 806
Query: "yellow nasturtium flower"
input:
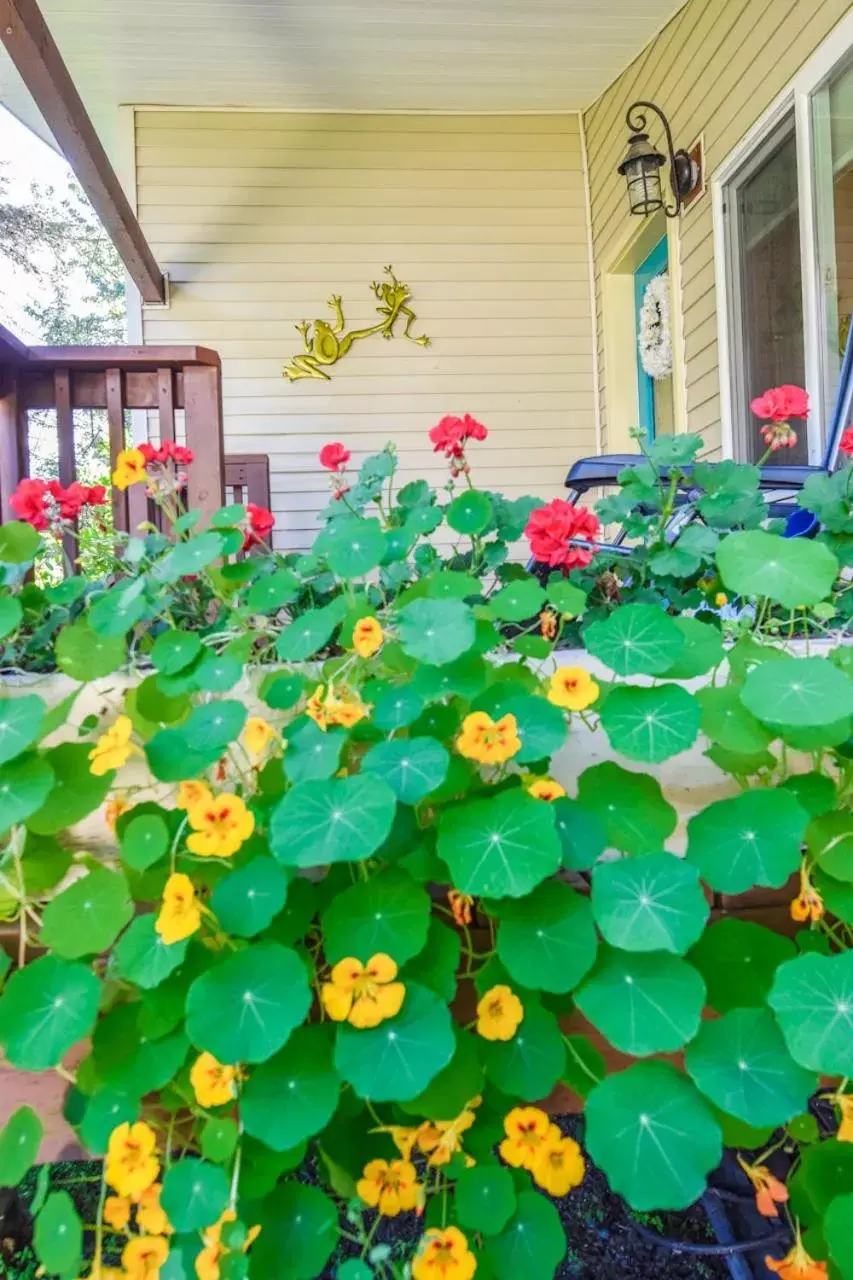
column 132, row 1165
column 220, row 826
column 499, row 1014
column 130, row 468
column 258, row 735
column 180, row 914
column 143, row 1256
column 367, row 637
column 193, row 793
column 443, row 1255
column 546, row 789
column 117, row 1212
column 207, row 1262
column 559, row 1166
column 363, row 995
column 488, row 741
column 214, row 1083
column 391, row 1187
column 527, row 1132
column 329, row 709
column 113, row 749
column 845, row 1128
column 150, row 1215
column 573, row 689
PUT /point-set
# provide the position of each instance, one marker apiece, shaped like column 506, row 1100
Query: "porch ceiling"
column 369, row 55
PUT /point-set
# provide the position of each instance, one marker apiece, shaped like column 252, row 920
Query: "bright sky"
column 26, row 160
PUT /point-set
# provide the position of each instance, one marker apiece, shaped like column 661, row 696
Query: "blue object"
column 801, row 524
column 655, row 264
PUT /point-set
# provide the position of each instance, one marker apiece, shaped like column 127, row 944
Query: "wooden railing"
column 166, row 381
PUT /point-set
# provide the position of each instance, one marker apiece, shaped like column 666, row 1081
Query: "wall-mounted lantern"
column 643, row 162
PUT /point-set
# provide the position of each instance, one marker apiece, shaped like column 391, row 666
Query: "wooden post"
column 13, row 443
column 115, row 420
column 203, row 415
column 166, row 404
column 65, row 435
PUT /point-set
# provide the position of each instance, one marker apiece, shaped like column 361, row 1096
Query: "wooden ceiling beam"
column 33, row 50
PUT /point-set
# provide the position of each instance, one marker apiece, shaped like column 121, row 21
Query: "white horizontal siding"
column 260, row 217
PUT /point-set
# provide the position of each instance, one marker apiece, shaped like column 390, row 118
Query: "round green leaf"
column 740, row 1062
column 19, row 542
column 650, row 724
column 248, row 899
column 837, row 895
column 245, row 1009
column 566, row 597
column 653, row 904
column 829, row 839
column 217, row 673
column 219, row 1139
column 24, row 787
column 354, row 547
column 838, row 1233
column 396, row 708
column 412, row 767
column 176, row 754
column 547, row 940
column 194, row 1194
column 643, row 1004
column 299, row 1233
column 19, row 1145
column 437, row 964
column 387, row 914
column 637, row 639
column 518, row 601
column 75, row 791
column 11, row 615
column 581, row 834
column 532, row 1244
column 452, row 1089
column 339, row 820
column 20, row 724
column 294, row 1095
column 631, row 807
column 790, row 571
column 812, row 997
column 751, row 839
column 308, row 633
column 143, row 958
column 445, row 584
column 84, row 655
column 470, row 513
column 726, row 721
column 282, row 691
column 485, row 1198
column 144, row 841
column 703, row 650
column 738, row 960
column 105, row 1110
column 88, row 916
column 395, row 1061
column 58, row 1236
column 174, row 650
column 806, row 692
column 653, row 1136
column 190, row 557
column 502, row 847
column 436, row 631
column 530, row 1064
column 273, row 591
column 312, row 754
column 45, row 1008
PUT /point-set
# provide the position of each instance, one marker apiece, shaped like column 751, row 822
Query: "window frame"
column 798, row 97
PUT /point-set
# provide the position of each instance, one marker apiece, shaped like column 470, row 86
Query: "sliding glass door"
column 832, row 117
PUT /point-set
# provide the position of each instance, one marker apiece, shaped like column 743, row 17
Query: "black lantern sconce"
column 643, row 162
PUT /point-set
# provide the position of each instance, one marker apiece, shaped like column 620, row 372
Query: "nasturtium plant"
column 325, row 871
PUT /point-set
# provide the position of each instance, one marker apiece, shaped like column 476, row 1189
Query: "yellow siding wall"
column 714, row 69
column 260, row 217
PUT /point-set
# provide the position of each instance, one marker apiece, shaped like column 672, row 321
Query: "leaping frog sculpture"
column 326, row 344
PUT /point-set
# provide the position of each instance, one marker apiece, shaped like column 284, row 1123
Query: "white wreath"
column 655, row 337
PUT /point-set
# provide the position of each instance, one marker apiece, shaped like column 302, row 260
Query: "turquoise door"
column 655, row 264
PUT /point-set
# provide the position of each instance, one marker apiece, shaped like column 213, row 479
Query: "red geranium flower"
column 28, row 503
column 261, row 524
column 450, row 435
column 846, row 442
column 334, row 456
column 167, row 451
column 781, row 403
column 550, row 531
column 181, row 455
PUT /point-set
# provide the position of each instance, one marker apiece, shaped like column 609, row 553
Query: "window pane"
column 833, row 152
column 768, row 288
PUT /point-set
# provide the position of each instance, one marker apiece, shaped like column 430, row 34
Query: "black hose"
column 708, row 1250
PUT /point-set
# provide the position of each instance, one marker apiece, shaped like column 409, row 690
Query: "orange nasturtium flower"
column 488, row 741
column 527, row 1132
column 130, row 468
column 443, row 1255
column 769, row 1191
column 220, row 826
column 573, row 689
column 440, row 1140
column 213, row 1082
column 797, row 1265
column 143, row 1256
column 329, row 708
column 559, row 1165
column 180, row 914
column 132, row 1165
column 258, row 735
column 192, row 793
column 391, row 1187
column 113, row 749
column 150, row 1215
column 114, row 809
column 844, row 1102
column 461, row 904
column 207, row 1262
column 546, row 789
column 548, row 624
column 808, row 905
column 117, row 1212
column 367, row 637
column 499, row 1014
column 363, row 995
